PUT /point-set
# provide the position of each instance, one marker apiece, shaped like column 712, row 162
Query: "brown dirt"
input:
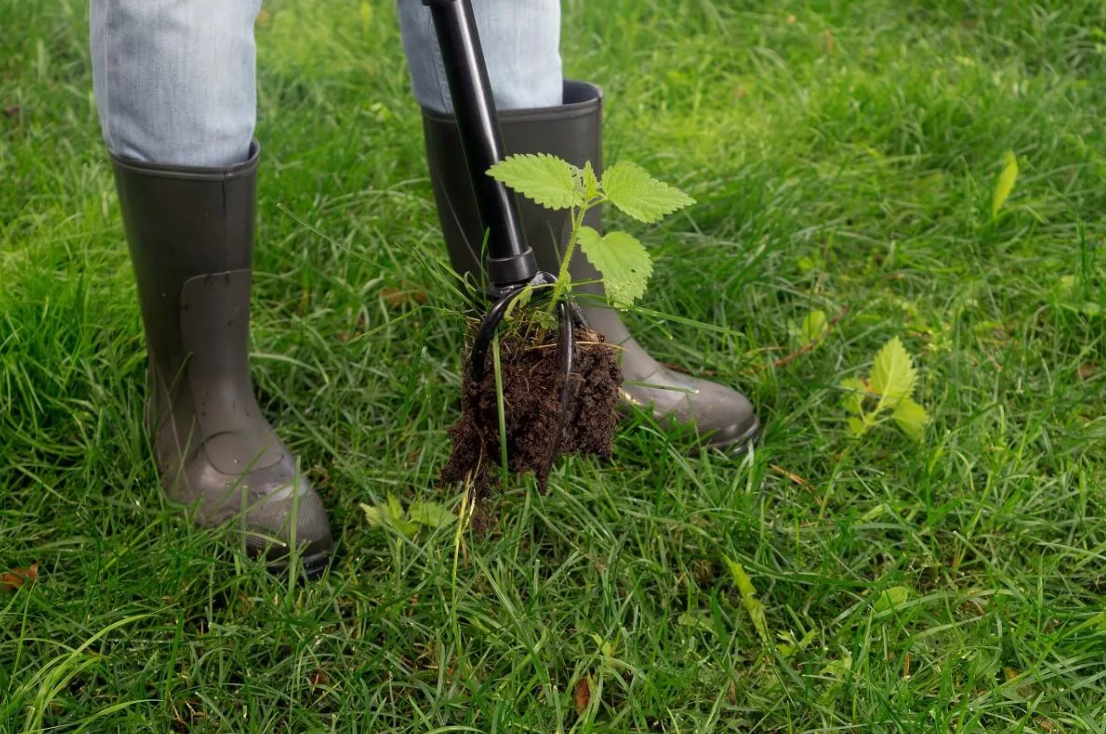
column 532, row 406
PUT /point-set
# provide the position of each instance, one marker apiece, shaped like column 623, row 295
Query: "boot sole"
column 735, row 445
column 727, row 439
column 311, row 567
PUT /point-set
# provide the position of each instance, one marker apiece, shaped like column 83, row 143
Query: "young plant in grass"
column 513, row 420
column 621, row 259
column 887, row 394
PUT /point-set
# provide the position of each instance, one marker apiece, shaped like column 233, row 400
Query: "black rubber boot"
column 573, row 131
column 190, row 232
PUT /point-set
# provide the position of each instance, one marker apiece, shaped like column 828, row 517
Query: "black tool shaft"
column 510, row 259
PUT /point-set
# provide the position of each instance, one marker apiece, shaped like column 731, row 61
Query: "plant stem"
column 562, row 275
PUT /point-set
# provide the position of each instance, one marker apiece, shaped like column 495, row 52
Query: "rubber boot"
column 190, row 233
column 573, row 131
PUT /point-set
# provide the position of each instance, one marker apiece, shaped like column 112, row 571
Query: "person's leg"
column 175, row 80
column 540, row 112
column 174, row 85
column 522, row 47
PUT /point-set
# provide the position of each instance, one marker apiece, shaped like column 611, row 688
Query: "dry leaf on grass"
column 399, row 297
column 15, row 578
column 583, row 694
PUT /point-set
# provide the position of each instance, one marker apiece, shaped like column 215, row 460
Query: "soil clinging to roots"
column 537, row 434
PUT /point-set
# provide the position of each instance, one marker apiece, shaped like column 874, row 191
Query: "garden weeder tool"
column 511, row 265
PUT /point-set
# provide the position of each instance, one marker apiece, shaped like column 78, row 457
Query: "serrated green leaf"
column 431, row 514
column 857, row 427
column 390, row 514
column 854, row 398
column 623, row 262
column 519, row 302
column 892, row 598
column 748, row 593
column 912, row 418
column 1005, row 182
column 604, row 646
column 835, row 671
column 393, row 510
column 789, row 646
column 590, row 182
column 690, row 620
column 838, row 669
column 544, row 178
column 814, row 327
column 893, row 374
column 374, row 515
column 630, row 188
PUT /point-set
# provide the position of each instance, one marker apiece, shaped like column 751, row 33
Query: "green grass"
column 843, row 154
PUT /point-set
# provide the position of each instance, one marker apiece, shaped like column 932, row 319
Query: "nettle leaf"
column 390, row 514
column 373, row 515
column 893, row 374
column 546, row 179
column 893, row 380
column 630, row 188
column 854, row 399
column 748, row 593
column 1005, row 182
column 520, row 302
column 806, row 264
column 431, row 514
column 623, row 262
column 813, row 328
column 835, row 671
column 590, row 182
column 789, row 646
column 428, row 514
column 393, row 510
column 892, row 598
column 912, row 418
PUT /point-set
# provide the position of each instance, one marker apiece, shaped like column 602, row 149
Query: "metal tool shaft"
column 510, row 260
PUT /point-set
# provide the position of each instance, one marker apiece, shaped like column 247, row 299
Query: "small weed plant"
column 621, row 259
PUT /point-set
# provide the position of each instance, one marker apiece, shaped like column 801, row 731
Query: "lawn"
column 844, row 156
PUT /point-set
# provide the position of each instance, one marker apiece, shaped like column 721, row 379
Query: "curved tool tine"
column 487, row 330
column 568, row 354
column 568, row 357
column 577, row 316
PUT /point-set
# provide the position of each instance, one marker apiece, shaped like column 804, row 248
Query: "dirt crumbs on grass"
column 537, row 435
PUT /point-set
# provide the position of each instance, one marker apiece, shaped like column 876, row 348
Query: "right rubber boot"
column 722, row 417
column 190, row 233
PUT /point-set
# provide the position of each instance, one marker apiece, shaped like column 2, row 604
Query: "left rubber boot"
column 190, row 233
column 573, row 131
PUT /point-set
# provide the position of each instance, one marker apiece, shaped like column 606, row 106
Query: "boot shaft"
column 183, row 223
column 190, row 233
column 572, row 131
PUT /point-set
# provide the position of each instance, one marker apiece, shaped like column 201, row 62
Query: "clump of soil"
column 537, row 433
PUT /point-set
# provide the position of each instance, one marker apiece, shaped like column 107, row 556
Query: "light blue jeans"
column 175, row 80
